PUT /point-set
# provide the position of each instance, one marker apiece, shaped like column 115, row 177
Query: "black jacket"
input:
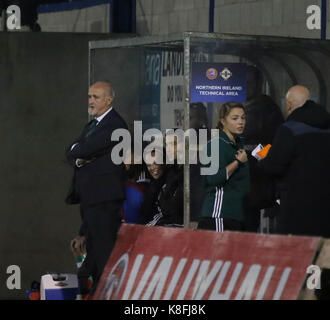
column 101, row 180
column 171, row 200
column 300, row 158
column 263, row 118
column 165, row 195
column 149, row 206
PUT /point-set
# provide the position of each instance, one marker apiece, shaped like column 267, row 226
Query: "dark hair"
column 225, row 110
column 254, row 82
column 199, row 112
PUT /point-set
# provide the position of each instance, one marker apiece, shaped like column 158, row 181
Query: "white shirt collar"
column 103, row 115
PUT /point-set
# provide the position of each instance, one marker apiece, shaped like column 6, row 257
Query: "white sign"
column 14, row 17
column 314, row 20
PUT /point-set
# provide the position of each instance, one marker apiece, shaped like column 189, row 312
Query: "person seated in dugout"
column 164, row 199
column 136, row 187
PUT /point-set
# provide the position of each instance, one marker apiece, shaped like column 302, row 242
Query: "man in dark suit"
column 98, row 184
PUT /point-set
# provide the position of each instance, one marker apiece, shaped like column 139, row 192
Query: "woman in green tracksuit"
column 226, row 191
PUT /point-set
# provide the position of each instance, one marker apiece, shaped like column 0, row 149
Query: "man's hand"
column 78, row 245
column 82, row 162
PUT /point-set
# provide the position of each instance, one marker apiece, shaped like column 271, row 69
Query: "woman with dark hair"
column 136, row 186
column 226, row 191
column 164, row 200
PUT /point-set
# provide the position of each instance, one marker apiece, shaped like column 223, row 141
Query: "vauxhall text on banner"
column 174, row 264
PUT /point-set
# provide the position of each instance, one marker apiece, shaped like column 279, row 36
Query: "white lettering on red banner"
column 168, row 263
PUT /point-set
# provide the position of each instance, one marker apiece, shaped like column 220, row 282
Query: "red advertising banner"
column 154, row 263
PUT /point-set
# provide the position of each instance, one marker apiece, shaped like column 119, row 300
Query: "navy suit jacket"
column 101, row 180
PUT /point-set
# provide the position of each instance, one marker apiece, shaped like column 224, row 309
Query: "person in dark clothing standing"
column 198, row 121
column 98, row 183
column 263, row 117
column 299, row 157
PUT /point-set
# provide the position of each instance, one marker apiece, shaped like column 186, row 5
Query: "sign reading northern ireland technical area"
column 176, row 264
column 218, row 82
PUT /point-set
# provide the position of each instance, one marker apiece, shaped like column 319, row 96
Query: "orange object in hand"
column 264, row 151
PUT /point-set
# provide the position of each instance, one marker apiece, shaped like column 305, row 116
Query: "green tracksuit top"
column 225, row 197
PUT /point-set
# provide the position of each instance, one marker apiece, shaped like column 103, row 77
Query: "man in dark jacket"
column 98, row 183
column 300, row 158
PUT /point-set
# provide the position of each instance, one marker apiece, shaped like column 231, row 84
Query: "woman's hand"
column 241, row 156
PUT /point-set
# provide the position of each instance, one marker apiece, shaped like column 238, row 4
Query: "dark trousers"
column 224, row 225
column 101, row 224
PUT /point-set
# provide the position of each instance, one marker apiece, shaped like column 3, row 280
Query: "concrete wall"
column 43, row 101
column 264, row 17
column 94, row 19
column 167, row 17
column 91, row 19
column 161, row 17
column 256, row 17
column 125, row 69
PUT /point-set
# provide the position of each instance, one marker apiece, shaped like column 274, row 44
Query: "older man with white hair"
column 300, row 159
column 98, row 183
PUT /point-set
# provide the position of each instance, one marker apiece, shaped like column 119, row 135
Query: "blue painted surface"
column 61, row 294
column 67, row 6
column 324, row 20
column 122, row 13
column 211, row 16
column 123, row 16
column 111, row 15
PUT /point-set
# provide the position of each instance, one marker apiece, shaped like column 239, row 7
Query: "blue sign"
column 150, row 98
column 218, row 82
